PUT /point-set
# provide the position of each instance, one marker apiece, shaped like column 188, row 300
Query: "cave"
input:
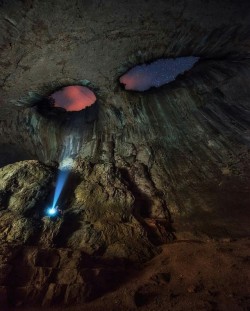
column 153, row 213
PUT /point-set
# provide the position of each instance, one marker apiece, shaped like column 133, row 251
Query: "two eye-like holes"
column 139, row 78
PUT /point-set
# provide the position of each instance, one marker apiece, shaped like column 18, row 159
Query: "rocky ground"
column 187, row 275
column 98, row 254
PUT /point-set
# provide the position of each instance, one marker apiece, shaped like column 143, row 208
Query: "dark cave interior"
column 146, row 106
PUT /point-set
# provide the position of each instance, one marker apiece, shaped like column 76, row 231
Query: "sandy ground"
column 187, row 275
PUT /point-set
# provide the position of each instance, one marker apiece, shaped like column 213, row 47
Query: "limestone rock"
column 23, row 186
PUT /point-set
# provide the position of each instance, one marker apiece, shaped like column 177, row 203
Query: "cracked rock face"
column 173, row 161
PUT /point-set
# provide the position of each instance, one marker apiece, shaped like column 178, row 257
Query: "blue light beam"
column 61, row 180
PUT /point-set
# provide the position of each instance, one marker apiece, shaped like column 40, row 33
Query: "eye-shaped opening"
column 155, row 74
column 68, row 101
column 73, row 98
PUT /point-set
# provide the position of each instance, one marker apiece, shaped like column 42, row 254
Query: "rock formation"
column 172, row 162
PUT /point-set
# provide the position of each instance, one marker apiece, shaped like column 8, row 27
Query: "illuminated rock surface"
column 172, row 162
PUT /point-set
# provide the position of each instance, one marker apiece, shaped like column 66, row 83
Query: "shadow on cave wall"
column 159, row 231
column 10, row 153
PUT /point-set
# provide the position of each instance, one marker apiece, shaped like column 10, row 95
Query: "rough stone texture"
column 175, row 158
column 24, row 188
column 75, row 257
column 54, row 276
column 98, row 218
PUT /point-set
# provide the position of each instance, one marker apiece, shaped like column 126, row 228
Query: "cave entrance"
column 73, row 98
column 157, row 73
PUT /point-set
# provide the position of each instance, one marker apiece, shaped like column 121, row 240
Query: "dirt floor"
column 187, row 275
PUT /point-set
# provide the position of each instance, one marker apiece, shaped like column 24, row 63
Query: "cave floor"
column 187, row 275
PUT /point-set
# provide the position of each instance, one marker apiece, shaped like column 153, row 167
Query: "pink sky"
column 74, row 98
column 134, row 80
